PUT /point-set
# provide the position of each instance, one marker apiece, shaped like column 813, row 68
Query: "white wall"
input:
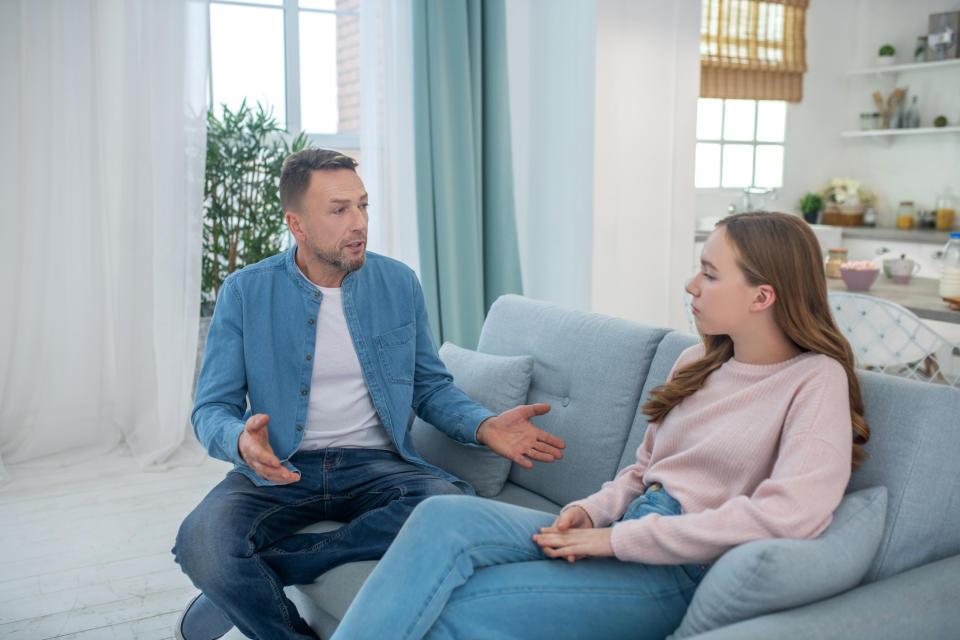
column 841, row 37
column 603, row 107
column 647, row 85
column 551, row 66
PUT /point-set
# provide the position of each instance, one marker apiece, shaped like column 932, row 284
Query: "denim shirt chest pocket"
column 397, row 350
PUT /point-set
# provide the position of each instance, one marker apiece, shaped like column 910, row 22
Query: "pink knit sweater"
column 761, row 451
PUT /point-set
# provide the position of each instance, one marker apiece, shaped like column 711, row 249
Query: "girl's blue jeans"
column 465, row 567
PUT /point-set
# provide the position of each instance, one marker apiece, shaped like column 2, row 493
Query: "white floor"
column 85, row 550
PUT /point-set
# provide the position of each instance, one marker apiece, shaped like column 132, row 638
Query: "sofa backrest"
column 914, row 451
column 590, row 368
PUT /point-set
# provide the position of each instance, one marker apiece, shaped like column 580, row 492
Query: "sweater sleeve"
column 613, row 498
column 797, row 500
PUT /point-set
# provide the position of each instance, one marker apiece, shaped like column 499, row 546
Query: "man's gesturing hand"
column 255, row 449
column 512, row 435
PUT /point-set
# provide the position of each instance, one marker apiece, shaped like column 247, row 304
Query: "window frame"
column 753, row 142
column 291, row 77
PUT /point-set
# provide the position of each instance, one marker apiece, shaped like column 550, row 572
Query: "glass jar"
column 905, row 214
column 950, row 270
column 920, row 51
column 835, row 258
column 946, row 210
column 870, row 120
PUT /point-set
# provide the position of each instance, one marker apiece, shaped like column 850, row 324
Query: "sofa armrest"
column 919, row 603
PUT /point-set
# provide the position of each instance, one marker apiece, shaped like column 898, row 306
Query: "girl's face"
column 721, row 294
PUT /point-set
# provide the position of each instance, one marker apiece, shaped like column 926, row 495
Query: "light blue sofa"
column 596, row 371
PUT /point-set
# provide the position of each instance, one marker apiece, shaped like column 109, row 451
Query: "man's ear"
column 764, row 298
column 293, row 223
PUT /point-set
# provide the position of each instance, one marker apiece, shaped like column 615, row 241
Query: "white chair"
column 891, row 339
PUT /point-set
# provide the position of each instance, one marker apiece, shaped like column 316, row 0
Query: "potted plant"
column 242, row 221
column 845, row 202
column 810, row 205
column 885, row 55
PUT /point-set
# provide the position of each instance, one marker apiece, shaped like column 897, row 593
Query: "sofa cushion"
column 918, row 603
column 498, row 383
column 590, row 369
column 913, row 451
column 780, row 573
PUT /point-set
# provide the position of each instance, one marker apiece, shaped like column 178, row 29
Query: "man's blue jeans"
column 465, row 567
column 240, row 546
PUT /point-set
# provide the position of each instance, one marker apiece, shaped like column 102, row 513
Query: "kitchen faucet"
column 746, row 204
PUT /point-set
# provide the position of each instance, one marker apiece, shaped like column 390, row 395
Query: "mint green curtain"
column 467, row 227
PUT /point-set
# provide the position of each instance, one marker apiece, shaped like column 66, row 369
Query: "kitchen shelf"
column 882, row 133
column 886, row 136
column 915, row 66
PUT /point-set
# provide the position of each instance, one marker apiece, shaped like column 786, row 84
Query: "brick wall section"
column 348, row 67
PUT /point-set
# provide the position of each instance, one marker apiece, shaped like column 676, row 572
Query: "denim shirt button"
column 310, row 321
column 309, row 357
column 299, row 427
column 565, row 401
column 304, row 392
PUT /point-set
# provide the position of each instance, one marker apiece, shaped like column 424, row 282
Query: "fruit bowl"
column 858, row 276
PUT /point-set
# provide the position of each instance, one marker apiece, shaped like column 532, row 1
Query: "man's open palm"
column 513, row 436
column 254, row 446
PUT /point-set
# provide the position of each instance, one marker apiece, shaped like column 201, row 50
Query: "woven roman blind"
column 753, row 49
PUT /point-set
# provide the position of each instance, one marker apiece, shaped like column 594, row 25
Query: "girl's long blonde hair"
column 782, row 251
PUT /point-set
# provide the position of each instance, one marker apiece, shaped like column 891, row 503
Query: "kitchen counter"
column 922, row 296
column 929, row 236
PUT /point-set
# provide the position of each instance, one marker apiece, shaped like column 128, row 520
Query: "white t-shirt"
column 340, row 412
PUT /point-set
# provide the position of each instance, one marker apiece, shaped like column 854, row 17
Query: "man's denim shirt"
column 262, row 338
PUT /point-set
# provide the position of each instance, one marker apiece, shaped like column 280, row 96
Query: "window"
column 300, row 57
column 739, row 143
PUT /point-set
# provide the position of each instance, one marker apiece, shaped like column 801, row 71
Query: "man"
column 331, row 347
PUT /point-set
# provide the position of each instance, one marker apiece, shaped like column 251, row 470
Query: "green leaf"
column 245, row 153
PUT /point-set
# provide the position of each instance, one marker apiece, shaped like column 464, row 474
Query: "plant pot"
column 844, row 216
column 811, row 216
column 885, row 61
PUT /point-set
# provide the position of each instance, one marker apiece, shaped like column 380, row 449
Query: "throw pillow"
column 498, row 383
column 781, row 573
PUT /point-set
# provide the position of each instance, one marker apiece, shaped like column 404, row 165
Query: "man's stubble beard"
column 338, row 260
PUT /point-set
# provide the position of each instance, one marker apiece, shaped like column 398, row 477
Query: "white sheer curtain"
column 101, row 175
column 386, row 139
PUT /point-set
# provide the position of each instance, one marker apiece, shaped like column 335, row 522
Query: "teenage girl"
column 752, row 436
